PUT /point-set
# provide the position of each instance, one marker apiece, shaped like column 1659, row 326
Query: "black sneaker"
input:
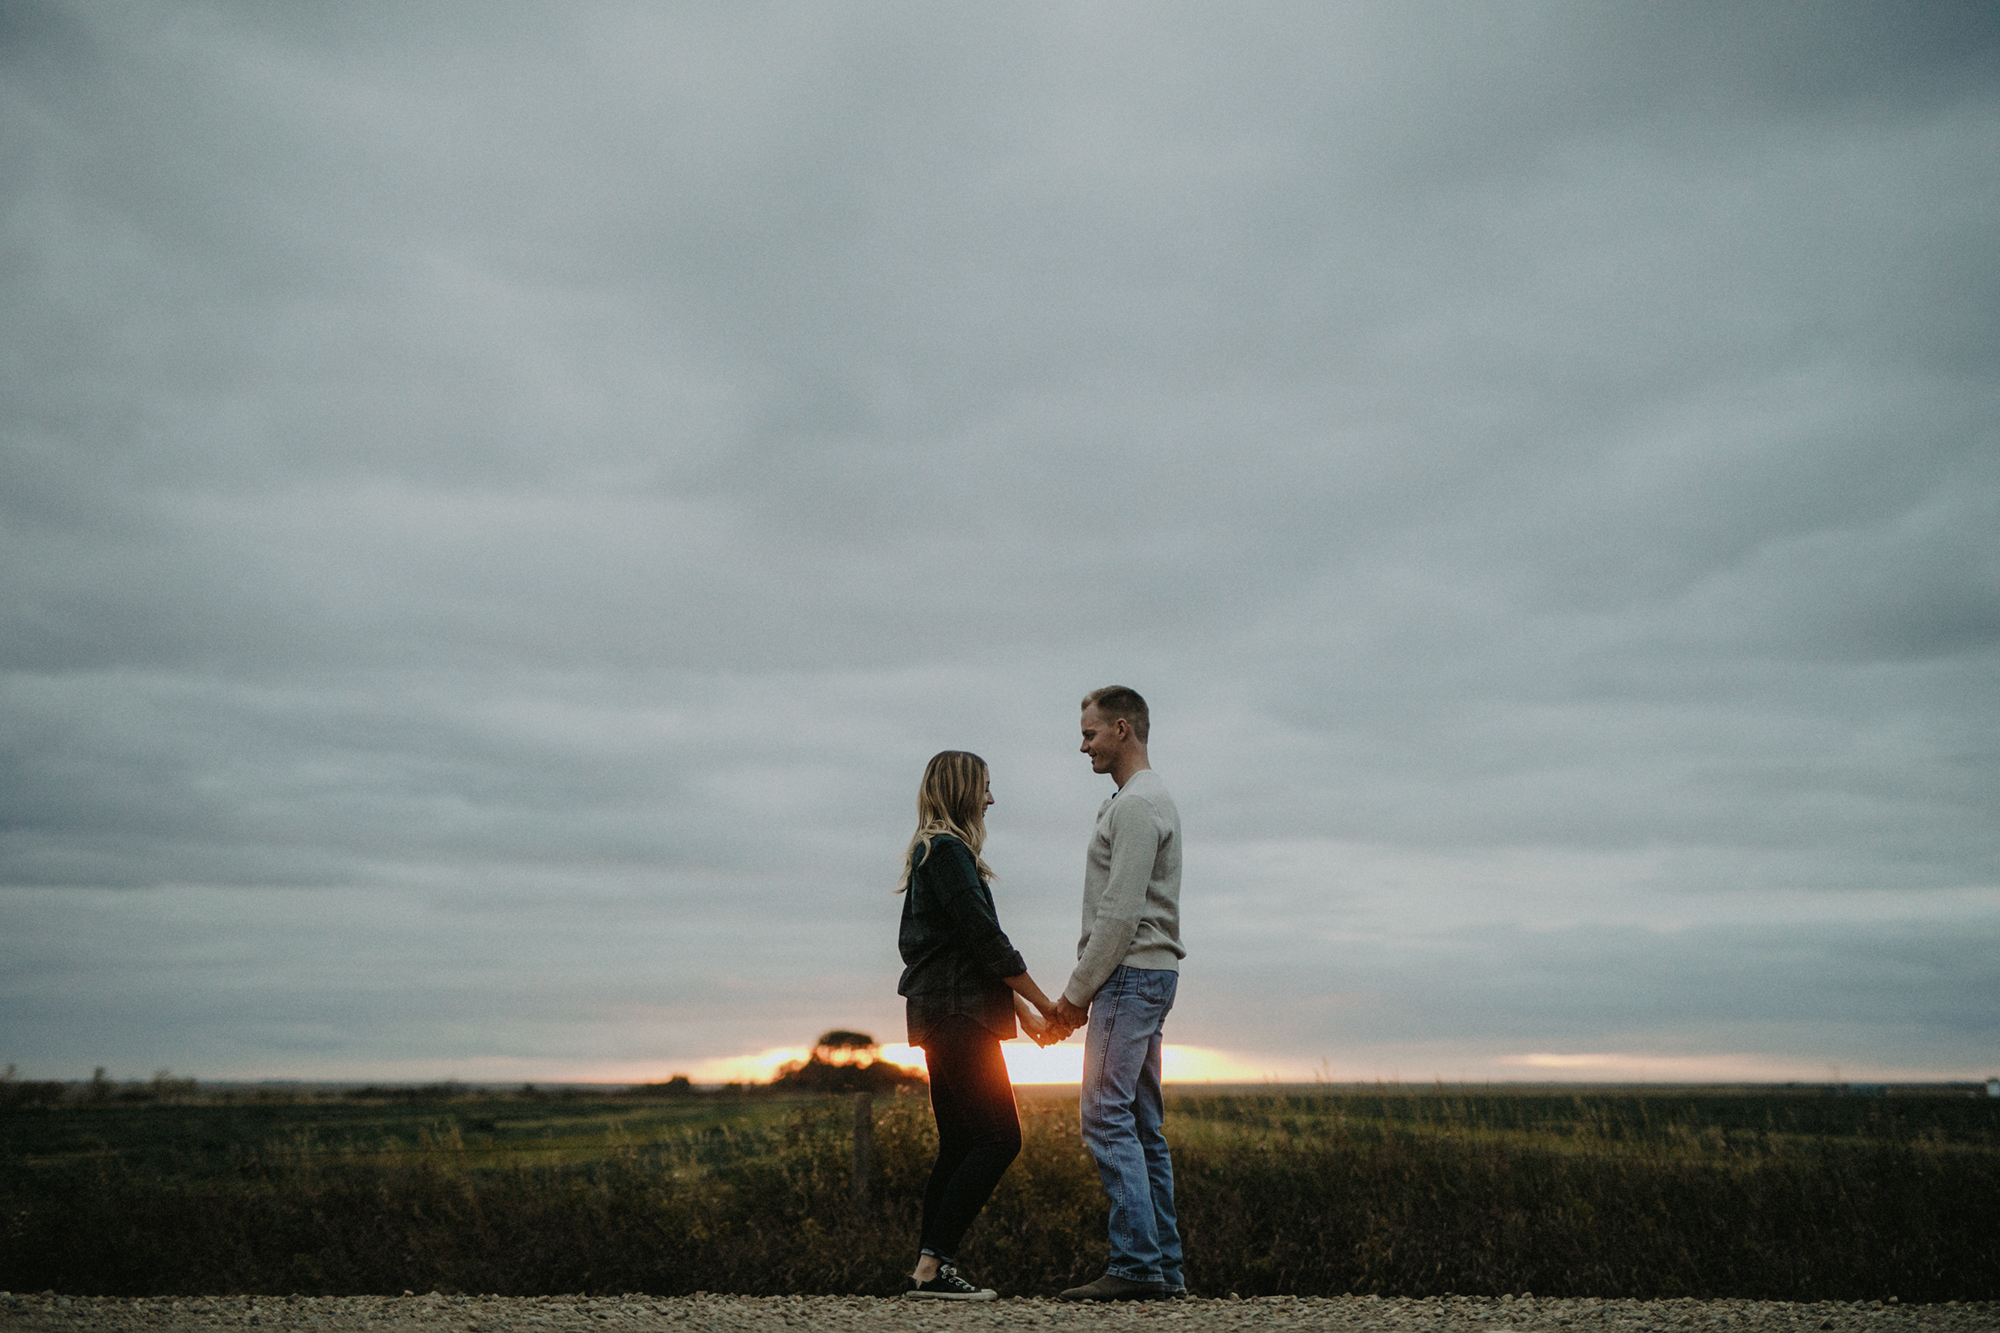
column 948, row 1286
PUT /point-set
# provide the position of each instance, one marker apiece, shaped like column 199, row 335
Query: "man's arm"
column 1135, row 845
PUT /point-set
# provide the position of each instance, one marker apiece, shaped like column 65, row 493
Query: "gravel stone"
column 705, row 1313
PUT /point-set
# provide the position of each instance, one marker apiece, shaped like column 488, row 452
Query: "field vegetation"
column 1752, row 1193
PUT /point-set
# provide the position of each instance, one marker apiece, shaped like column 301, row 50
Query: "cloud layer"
column 500, row 502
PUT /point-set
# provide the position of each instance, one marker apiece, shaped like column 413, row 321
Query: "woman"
column 964, row 984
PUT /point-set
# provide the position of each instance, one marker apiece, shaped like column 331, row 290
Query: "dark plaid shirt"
column 954, row 952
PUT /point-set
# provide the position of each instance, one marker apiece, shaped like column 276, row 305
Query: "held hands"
column 1046, row 1021
column 1054, row 1025
column 1043, row 1032
column 1035, row 1020
column 1067, row 1017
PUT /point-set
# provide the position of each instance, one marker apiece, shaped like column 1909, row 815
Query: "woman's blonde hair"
column 951, row 799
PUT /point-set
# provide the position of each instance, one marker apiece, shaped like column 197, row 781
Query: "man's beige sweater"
column 1131, row 887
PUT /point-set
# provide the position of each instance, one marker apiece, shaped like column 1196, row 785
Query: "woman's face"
column 985, row 797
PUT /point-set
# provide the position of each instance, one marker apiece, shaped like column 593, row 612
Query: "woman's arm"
column 953, row 883
column 1026, row 991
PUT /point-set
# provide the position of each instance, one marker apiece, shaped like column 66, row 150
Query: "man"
column 1128, row 964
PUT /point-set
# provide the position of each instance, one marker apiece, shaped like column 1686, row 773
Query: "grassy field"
column 1302, row 1190
column 219, row 1139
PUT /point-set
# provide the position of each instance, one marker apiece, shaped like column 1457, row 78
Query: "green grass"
column 1391, row 1190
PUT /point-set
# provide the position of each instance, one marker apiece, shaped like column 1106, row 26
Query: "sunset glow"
column 1026, row 1063
column 1714, row 1067
column 1029, row 1064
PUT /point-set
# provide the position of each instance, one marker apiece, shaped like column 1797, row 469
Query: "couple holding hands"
column 965, row 985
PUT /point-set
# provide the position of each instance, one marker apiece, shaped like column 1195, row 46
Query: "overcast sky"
column 500, row 502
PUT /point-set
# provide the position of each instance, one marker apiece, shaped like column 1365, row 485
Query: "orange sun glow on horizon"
column 1026, row 1063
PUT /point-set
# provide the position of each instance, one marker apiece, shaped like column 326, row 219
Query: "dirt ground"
column 731, row 1314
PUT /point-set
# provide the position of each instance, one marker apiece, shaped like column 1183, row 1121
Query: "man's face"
column 1103, row 738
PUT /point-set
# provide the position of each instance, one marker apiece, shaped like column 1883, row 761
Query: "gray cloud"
column 539, row 478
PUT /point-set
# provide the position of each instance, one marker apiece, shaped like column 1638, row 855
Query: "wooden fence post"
column 864, row 1144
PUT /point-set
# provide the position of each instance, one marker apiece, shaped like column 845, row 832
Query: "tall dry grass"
column 1298, row 1195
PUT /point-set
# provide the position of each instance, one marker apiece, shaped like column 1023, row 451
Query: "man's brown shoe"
column 1111, row 1287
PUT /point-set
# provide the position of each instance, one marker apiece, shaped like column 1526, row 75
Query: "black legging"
column 979, row 1133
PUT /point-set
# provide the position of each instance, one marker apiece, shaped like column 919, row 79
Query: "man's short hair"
column 1115, row 701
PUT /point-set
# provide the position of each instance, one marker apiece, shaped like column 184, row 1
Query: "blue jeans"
column 1121, row 1122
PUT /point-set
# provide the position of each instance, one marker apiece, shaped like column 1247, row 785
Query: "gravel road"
column 729, row 1314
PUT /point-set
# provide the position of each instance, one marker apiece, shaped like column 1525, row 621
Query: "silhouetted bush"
column 818, row 1076
column 843, row 1061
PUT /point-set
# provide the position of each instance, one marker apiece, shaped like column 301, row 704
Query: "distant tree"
column 166, row 1088
column 845, row 1061
column 840, row 1047
column 16, row 1092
